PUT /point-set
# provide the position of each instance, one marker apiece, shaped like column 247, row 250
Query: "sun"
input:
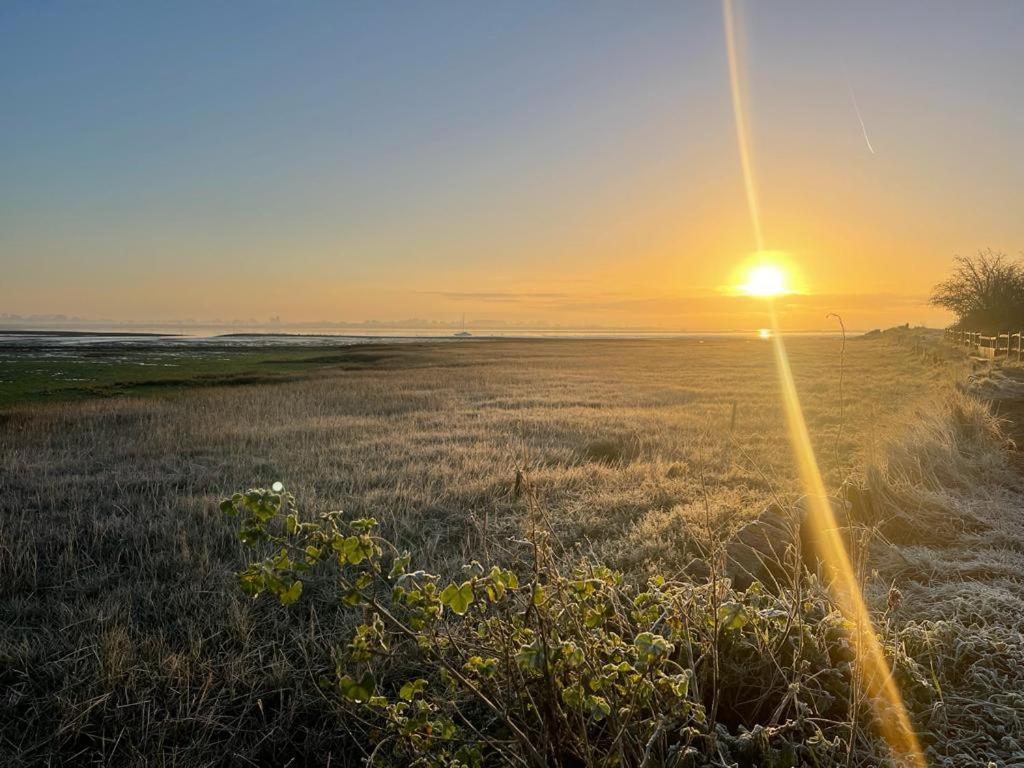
column 765, row 274
column 765, row 280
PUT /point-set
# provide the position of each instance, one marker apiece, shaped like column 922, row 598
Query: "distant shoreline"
column 479, row 334
column 116, row 334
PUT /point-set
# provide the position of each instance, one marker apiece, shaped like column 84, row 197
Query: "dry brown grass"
column 121, row 635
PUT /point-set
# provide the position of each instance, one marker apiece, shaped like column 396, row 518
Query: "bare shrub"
column 985, row 292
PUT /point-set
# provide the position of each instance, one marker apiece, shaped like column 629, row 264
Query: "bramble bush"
column 548, row 664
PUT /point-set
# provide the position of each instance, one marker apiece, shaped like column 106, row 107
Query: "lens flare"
column 740, row 112
column 872, row 666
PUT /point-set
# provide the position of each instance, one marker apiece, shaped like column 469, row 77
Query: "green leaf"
column 282, row 562
column 409, row 690
column 252, row 582
column 573, row 695
column 458, row 598
column 290, row 595
column 357, row 690
column 363, row 524
column 731, row 615
column 496, row 587
column 681, row 684
column 486, row 667
column 650, row 647
column 531, row 657
column 599, row 707
column 572, row 654
column 399, row 566
column 354, row 549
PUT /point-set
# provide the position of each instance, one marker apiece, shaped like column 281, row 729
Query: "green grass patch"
column 28, row 376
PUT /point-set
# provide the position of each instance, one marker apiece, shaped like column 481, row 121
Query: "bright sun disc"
column 765, row 280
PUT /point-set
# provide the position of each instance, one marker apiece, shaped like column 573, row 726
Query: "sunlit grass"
column 626, row 444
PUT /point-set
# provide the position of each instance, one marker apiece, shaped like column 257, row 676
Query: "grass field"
column 123, row 637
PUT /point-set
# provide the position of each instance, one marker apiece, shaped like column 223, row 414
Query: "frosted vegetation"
column 597, row 485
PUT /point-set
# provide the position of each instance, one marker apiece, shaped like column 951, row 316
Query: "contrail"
column 860, row 117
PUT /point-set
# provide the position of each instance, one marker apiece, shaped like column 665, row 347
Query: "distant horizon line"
column 57, row 323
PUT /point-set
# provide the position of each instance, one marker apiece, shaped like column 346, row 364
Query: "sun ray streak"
column 872, row 667
column 742, row 138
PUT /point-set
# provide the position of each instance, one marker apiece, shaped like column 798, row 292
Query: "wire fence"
column 1007, row 345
